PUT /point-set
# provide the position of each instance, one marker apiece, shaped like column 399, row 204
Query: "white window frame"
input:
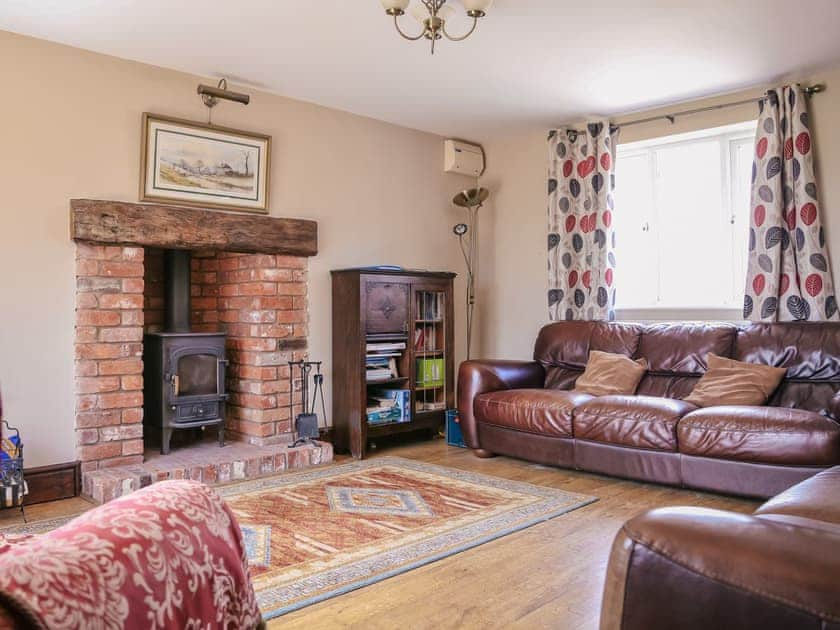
column 730, row 137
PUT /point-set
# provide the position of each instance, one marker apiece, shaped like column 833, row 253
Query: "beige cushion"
column 610, row 374
column 730, row 382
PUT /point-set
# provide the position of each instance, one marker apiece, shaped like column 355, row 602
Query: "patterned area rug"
column 320, row 533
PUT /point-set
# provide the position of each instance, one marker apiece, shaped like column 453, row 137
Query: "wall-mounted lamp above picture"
column 210, row 96
column 432, row 15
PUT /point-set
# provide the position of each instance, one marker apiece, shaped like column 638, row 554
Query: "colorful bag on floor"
column 12, row 484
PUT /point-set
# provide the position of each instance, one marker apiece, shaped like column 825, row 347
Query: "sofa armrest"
column 479, row 377
column 708, row 568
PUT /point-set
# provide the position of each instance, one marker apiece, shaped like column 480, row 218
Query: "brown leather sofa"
column 528, row 409
column 695, row 568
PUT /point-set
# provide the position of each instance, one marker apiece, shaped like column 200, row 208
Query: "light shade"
column 394, row 4
column 471, row 198
column 477, row 5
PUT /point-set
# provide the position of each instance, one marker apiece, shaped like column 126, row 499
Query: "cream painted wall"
column 514, row 277
column 71, row 128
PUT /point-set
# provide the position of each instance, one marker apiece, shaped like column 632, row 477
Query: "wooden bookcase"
column 376, row 307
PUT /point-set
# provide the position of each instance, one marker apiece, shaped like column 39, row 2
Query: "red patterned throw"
column 168, row 556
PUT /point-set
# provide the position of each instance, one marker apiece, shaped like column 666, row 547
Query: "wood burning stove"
column 183, row 371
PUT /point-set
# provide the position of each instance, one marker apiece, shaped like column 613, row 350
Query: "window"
column 682, row 220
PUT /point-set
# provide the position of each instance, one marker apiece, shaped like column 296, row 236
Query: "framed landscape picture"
column 191, row 163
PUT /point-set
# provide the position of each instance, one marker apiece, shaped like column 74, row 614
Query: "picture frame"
column 196, row 164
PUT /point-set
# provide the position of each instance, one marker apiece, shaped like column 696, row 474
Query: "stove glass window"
column 197, row 374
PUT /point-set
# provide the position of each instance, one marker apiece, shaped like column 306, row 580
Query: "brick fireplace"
column 249, row 280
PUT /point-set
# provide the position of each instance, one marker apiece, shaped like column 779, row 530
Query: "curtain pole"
column 808, row 91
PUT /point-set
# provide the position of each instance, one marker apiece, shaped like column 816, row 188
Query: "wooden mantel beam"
column 176, row 227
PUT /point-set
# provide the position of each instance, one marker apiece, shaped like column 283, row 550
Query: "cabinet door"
column 386, row 307
column 431, row 343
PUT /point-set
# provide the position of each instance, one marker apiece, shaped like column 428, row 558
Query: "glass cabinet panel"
column 429, row 345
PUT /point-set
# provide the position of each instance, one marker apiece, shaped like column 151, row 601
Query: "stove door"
column 195, row 374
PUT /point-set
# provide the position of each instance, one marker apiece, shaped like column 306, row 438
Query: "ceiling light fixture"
column 432, row 14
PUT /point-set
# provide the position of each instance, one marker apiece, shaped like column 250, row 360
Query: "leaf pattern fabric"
column 581, row 241
column 788, row 276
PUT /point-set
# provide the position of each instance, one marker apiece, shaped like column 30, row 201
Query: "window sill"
column 660, row 314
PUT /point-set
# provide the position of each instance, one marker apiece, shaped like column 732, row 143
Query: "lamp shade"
column 419, row 12
column 446, row 12
column 477, row 5
column 394, row 4
column 471, row 198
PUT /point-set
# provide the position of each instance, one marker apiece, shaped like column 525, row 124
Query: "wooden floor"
column 547, row 576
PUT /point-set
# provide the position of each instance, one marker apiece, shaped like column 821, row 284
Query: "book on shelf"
column 372, row 376
column 383, row 416
column 430, row 372
column 391, row 398
column 431, row 405
column 385, row 346
column 430, row 305
column 380, row 368
column 425, row 339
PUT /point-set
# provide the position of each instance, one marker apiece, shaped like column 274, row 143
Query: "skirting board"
column 53, row 482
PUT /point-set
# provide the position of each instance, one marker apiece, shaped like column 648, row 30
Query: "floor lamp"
column 472, row 200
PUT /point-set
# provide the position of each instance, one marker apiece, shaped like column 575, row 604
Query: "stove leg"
column 164, row 443
column 221, row 434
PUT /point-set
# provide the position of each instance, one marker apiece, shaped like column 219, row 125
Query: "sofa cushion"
column 814, row 499
column 767, row 435
column 636, row 421
column 730, row 382
column 542, row 411
column 610, row 374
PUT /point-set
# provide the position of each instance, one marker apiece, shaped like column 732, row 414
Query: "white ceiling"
column 530, row 62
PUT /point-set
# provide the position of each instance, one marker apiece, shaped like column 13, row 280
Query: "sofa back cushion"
column 563, row 348
column 677, row 354
column 809, row 351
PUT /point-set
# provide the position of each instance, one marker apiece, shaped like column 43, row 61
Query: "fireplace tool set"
column 307, row 423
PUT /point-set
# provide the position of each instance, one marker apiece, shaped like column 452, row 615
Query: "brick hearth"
column 204, row 462
column 258, row 299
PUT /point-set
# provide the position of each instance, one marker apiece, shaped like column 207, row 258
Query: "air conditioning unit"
column 463, row 158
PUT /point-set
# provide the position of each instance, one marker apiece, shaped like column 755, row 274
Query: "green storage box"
column 430, row 373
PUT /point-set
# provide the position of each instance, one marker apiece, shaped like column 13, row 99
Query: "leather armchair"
column 699, row 568
column 479, row 377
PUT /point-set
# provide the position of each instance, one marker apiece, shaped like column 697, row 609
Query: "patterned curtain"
column 581, row 260
column 789, row 275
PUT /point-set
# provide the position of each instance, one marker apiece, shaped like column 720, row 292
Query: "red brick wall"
column 259, row 300
column 154, row 315
column 109, row 347
column 263, row 309
column 205, row 292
